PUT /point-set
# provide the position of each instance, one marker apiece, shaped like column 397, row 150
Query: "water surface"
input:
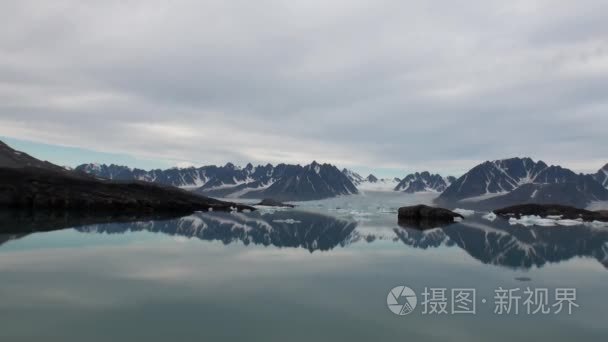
column 319, row 272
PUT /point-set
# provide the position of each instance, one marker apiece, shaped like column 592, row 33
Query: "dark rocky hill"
column 28, row 183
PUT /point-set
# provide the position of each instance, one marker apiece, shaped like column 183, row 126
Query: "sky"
column 371, row 85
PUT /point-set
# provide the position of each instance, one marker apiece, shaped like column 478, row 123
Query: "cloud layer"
column 386, row 84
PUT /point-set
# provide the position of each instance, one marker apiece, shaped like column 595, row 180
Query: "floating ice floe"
column 569, row 222
column 464, row 212
column 597, row 224
column 287, row 221
column 489, row 216
column 534, row 220
column 263, row 210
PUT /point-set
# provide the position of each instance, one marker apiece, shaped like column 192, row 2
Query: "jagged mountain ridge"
column 521, row 180
column 283, row 182
column 371, row 182
column 424, row 181
column 354, row 177
column 310, row 182
column 415, row 182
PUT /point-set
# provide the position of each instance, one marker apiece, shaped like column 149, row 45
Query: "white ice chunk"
column 532, row 220
column 287, row 221
column 568, row 222
column 464, row 212
column 598, row 224
column 490, row 216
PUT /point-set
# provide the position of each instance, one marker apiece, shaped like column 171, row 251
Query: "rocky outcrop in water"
column 269, row 202
column 424, row 216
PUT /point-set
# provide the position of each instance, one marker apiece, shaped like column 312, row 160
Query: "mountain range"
column 412, row 183
column 506, row 182
column 489, row 185
column 371, row 182
column 424, row 181
column 283, row 182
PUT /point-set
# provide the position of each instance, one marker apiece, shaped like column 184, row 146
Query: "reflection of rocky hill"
column 4, row 238
column 499, row 243
column 22, row 222
column 280, row 229
column 17, row 224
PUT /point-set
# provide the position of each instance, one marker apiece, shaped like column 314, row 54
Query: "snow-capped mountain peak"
column 373, row 183
column 283, row 182
column 602, row 176
column 354, row 177
column 371, row 178
column 522, row 180
column 423, row 182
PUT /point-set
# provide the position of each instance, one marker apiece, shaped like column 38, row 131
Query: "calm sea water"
column 320, row 272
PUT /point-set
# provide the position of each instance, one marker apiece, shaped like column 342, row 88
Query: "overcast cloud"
column 409, row 85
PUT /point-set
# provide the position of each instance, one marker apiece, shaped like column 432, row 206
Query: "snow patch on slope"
column 484, row 196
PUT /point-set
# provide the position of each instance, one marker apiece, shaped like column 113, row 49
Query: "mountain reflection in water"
column 496, row 243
